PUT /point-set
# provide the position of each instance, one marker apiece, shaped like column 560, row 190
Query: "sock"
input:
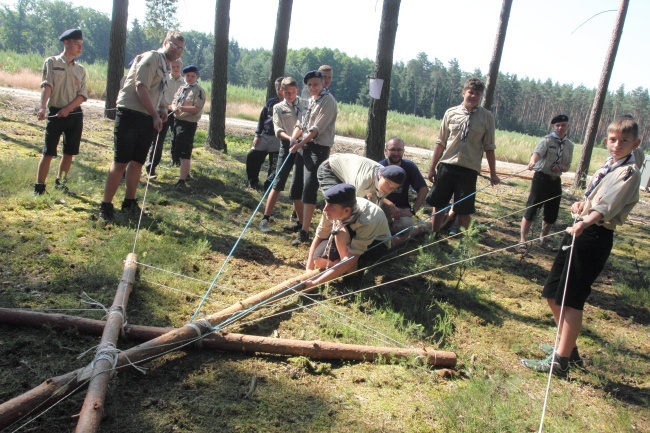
column 562, row 360
column 266, row 217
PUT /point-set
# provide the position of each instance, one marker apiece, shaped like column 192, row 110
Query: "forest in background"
column 421, row 86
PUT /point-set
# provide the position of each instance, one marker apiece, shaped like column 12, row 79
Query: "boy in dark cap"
column 551, row 157
column 64, row 90
column 610, row 197
column 312, row 139
column 351, row 229
column 187, row 108
column 371, row 180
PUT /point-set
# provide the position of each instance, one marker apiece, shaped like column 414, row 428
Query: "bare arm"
column 491, row 159
column 45, row 95
column 437, row 154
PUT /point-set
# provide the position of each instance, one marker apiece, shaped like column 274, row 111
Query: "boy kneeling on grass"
column 351, row 228
column 609, row 198
column 187, row 107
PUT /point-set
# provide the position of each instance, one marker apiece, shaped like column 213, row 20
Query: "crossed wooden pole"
column 159, row 341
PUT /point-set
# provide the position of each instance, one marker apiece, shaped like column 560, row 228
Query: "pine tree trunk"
column 376, row 130
column 116, row 50
column 493, row 73
column 599, row 100
column 217, row 127
column 280, row 43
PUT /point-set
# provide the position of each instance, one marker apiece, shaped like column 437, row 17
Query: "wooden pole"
column 55, row 389
column 93, row 407
column 238, row 342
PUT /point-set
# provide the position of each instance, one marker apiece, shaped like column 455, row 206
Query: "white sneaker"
column 264, row 226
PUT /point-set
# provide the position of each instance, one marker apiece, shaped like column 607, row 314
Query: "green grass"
column 52, row 251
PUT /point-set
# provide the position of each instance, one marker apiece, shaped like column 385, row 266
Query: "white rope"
column 557, row 333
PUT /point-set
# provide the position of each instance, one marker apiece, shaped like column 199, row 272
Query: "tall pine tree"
column 159, row 18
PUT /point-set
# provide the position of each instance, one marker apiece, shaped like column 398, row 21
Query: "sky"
column 544, row 39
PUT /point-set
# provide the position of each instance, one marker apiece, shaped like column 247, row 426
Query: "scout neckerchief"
column 312, row 103
column 598, row 177
column 560, row 149
column 296, row 104
column 463, row 135
column 184, row 92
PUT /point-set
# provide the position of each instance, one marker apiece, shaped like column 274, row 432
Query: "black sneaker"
column 39, row 188
column 60, row 185
column 131, row 208
column 303, row 238
column 293, row 228
column 181, row 184
column 106, row 212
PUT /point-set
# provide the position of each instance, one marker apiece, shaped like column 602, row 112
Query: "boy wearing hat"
column 352, row 229
column 141, row 112
column 64, row 90
column 265, row 143
column 551, row 157
column 370, row 179
column 466, row 132
column 187, row 108
column 174, row 82
column 610, row 197
column 313, row 137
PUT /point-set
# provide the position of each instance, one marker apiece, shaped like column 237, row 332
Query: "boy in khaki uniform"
column 64, row 90
column 187, row 107
column 609, row 198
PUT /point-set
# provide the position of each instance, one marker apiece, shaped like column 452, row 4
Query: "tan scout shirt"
column 357, row 171
column 480, row 138
column 547, row 149
column 173, row 84
column 322, row 119
column 192, row 96
column 615, row 196
column 285, row 116
column 369, row 225
column 150, row 70
column 67, row 80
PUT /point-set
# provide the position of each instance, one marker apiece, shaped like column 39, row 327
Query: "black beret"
column 312, row 74
column 394, row 173
column 71, row 34
column 559, row 118
column 190, row 68
column 340, row 194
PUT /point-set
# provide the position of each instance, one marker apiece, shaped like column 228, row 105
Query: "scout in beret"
column 187, row 107
column 353, row 233
column 551, row 157
column 63, row 92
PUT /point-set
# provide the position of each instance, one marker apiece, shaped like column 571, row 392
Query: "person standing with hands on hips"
column 64, row 90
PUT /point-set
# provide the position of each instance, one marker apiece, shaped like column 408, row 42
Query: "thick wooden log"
column 93, row 407
column 240, row 342
column 44, row 395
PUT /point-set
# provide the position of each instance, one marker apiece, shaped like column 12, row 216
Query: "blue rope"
column 232, row 250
